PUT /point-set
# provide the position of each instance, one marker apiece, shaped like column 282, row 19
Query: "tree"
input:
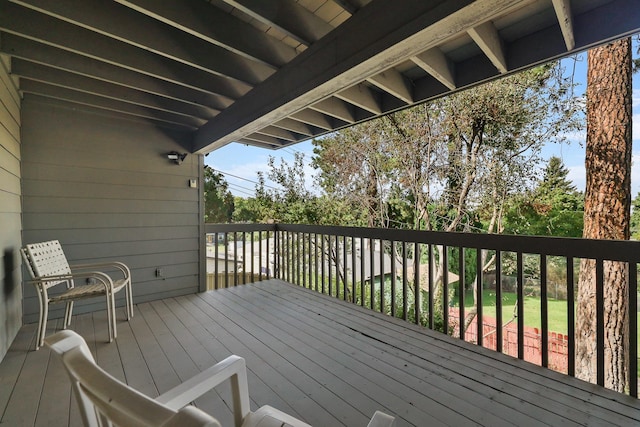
column 606, row 210
column 449, row 158
column 553, row 208
column 218, row 200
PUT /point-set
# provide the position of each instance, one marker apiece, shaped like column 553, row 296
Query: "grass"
column 556, row 309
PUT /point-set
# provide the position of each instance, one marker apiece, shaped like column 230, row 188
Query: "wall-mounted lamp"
column 176, row 157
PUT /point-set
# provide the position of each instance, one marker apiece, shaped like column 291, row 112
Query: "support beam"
column 342, row 60
column 563, row 12
column 487, row 38
column 361, row 96
column 41, row 53
column 270, row 140
column 65, row 79
column 195, row 17
column 394, row 83
column 313, row 118
column 294, row 126
column 335, row 108
column 30, row 24
column 434, row 62
column 287, row 16
column 128, row 26
column 276, row 132
column 49, row 91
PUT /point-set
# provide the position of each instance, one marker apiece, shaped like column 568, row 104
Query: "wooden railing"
column 381, row 269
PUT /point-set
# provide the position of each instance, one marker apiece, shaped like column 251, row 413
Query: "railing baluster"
column 344, row 268
column 226, row 260
column 405, row 305
column 330, row 262
column 315, row 251
column 430, row 267
column 215, row 268
column 353, row 269
column 499, row 301
column 393, row 278
column 303, row 261
column 461, row 280
column 382, row 276
column 337, row 266
column 479, row 316
column 416, row 257
column 600, row 321
column 571, row 314
column 362, row 271
column 520, row 302
column 544, row 311
column 322, row 254
column 445, row 290
column 371, row 274
column 632, row 297
column 244, row 257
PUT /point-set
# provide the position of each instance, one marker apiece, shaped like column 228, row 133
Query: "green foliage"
column 553, row 208
column 635, row 218
column 218, row 200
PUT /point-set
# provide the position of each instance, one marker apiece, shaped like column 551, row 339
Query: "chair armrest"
column 113, row 264
column 233, row 368
column 380, row 419
column 99, row 276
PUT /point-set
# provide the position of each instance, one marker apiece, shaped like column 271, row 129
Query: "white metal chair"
column 48, row 267
column 105, row 401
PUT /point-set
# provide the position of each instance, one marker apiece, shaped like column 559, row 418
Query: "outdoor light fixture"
column 176, row 157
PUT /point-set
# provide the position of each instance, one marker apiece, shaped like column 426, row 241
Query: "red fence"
column 558, row 343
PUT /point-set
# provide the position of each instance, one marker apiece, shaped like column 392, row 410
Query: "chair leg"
column 109, row 316
column 68, row 312
column 113, row 316
column 129, row 293
column 42, row 325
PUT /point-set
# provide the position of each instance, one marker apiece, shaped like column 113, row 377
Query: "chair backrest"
column 105, row 401
column 45, row 259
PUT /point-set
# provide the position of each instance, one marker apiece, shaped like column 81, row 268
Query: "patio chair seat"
column 49, row 269
column 106, row 401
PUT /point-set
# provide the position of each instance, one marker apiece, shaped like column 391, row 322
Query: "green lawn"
column 557, row 309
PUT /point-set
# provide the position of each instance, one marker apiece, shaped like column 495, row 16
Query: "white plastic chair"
column 105, row 401
column 48, row 267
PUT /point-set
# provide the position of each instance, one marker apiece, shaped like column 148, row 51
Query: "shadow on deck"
column 325, row 361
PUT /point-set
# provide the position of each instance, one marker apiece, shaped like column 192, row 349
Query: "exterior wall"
column 10, row 221
column 103, row 186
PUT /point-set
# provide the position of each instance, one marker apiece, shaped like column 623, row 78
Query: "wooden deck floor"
column 325, row 361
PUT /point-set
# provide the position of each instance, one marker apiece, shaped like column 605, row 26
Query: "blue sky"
column 240, row 163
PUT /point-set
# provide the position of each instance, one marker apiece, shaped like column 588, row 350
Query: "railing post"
column 544, row 312
column 571, row 347
column 633, row 328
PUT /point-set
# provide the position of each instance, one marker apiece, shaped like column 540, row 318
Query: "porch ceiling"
column 272, row 73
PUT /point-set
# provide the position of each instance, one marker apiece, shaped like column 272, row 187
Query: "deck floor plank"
column 541, row 383
column 260, row 392
column 375, row 370
column 323, row 360
column 502, row 373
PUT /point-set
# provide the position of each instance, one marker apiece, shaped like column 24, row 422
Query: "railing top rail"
column 613, row 250
column 229, row 228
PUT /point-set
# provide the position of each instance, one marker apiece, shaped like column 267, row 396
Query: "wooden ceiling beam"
column 196, row 17
column 286, row 15
column 434, row 62
column 128, row 26
column 56, row 77
column 563, row 12
column 487, row 38
column 40, row 53
column 60, row 93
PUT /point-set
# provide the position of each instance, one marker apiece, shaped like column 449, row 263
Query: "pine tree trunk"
column 606, row 210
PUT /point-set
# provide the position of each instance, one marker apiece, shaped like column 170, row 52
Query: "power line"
column 246, row 179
